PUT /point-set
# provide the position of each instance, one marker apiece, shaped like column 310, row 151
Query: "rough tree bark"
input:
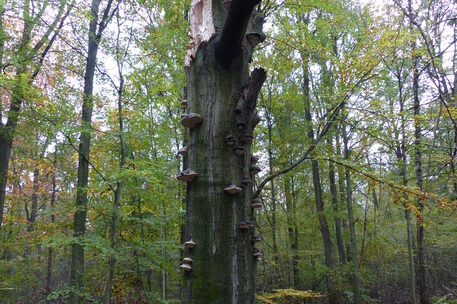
column 221, row 116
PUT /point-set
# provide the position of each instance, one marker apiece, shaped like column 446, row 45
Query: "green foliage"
column 359, row 64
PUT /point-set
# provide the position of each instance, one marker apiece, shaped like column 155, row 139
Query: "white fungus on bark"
column 186, row 267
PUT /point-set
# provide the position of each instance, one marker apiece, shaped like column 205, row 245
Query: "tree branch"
column 331, row 119
column 228, row 45
column 51, row 42
column 255, row 83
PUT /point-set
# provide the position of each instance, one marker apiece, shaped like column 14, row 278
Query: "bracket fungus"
column 239, row 151
column 246, row 181
column 244, row 226
column 190, row 244
column 254, row 159
column 254, row 169
column 233, row 189
column 246, row 139
column 256, row 204
column 240, row 126
column 187, row 260
column 251, row 225
column 183, row 151
column 227, row 4
column 186, row 267
column 184, row 103
column 191, row 120
column 256, row 239
column 230, row 140
column 255, row 38
column 257, row 253
column 186, row 175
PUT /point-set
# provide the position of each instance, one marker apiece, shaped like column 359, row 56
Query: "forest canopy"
column 228, row 151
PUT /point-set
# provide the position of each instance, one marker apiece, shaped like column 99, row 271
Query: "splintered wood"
column 201, row 25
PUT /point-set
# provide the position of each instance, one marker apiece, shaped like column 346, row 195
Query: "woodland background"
column 376, row 85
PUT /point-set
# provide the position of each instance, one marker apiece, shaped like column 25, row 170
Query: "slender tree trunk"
column 325, row 232
column 412, row 277
column 7, row 135
column 422, row 279
column 342, row 197
column 336, row 208
column 292, row 228
column 375, row 236
column 401, row 156
column 53, row 219
column 79, row 226
column 365, row 223
column 274, row 273
column 452, row 142
column 294, row 218
column 34, row 209
column 119, row 183
column 112, row 258
column 221, row 116
column 164, row 238
column 355, row 266
column 421, row 271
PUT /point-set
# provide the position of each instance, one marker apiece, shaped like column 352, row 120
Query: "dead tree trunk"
column 219, row 257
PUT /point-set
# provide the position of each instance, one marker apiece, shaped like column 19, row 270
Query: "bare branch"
column 331, row 119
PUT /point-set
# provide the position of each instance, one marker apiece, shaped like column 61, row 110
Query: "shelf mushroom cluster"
column 188, row 120
column 239, row 143
column 187, row 261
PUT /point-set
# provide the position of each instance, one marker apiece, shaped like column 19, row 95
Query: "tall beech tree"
column 221, row 116
column 96, row 29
